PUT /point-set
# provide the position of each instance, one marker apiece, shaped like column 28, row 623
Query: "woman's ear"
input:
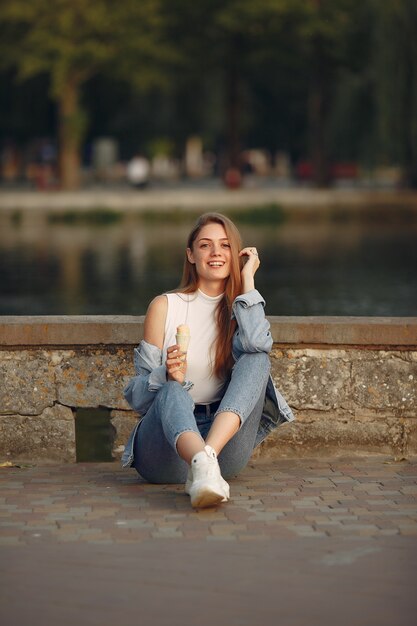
column 190, row 256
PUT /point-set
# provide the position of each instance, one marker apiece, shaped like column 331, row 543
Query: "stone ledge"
column 73, row 330
column 361, row 331
column 70, row 330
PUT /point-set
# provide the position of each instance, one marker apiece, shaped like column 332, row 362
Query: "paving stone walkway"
column 306, row 541
column 101, row 503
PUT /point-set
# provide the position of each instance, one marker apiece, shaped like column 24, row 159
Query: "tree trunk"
column 318, row 111
column 71, row 130
column 233, row 111
column 409, row 117
column 319, row 161
column 233, row 102
column 319, row 106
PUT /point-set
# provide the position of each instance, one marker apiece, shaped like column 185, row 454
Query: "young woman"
column 204, row 410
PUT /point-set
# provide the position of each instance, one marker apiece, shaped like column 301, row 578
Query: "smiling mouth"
column 216, row 264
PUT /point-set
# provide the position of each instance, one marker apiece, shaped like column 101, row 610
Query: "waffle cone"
column 183, row 337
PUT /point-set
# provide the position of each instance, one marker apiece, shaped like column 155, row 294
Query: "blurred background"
column 145, row 97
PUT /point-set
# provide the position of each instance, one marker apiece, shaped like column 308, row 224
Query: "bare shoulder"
column 154, row 327
column 158, row 306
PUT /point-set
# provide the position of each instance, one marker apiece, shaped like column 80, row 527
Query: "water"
column 323, row 267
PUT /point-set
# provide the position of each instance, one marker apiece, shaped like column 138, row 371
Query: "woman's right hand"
column 250, row 268
column 176, row 364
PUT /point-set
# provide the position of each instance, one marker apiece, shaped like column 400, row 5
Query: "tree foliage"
column 72, row 40
column 321, row 79
column 79, row 38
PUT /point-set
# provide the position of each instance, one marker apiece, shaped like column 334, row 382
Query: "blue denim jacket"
column 252, row 335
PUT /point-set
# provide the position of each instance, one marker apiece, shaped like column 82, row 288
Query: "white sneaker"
column 189, row 482
column 205, row 484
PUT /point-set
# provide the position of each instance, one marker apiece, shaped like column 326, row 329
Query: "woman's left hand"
column 250, row 268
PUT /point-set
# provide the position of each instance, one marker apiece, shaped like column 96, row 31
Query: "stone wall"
column 350, row 381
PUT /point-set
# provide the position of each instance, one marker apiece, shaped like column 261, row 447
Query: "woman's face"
column 211, row 253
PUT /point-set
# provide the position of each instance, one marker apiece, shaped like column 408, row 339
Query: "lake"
column 116, row 265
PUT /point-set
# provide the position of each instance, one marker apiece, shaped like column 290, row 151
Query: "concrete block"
column 49, row 436
column 95, row 378
column 318, row 380
column 323, row 434
column 27, row 382
column 410, row 430
column 386, row 381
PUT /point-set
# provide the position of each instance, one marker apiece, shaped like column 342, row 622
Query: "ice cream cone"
column 183, row 337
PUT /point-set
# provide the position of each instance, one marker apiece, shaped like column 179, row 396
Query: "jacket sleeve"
column 252, row 333
column 140, row 392
column 150, row 376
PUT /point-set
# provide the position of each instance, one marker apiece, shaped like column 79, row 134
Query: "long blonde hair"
column 223, row 359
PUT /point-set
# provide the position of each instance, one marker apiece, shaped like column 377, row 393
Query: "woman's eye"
column 226, row 245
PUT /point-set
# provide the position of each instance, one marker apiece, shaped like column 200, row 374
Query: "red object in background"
column 344, row 170
column 233, row 178
column 304, row 170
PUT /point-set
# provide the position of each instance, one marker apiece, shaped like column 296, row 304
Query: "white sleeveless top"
column 197, row 310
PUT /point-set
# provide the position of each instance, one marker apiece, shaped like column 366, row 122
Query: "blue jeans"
column 172, row 413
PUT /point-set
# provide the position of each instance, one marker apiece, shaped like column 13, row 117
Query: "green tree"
column 395, row 68
column 225, row 41
column 72, row 40
column 247, row 31
column 280, row 57
column 325, row 33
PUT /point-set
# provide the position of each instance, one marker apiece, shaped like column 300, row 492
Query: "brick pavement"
column 339, row 534
column 101, row 503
